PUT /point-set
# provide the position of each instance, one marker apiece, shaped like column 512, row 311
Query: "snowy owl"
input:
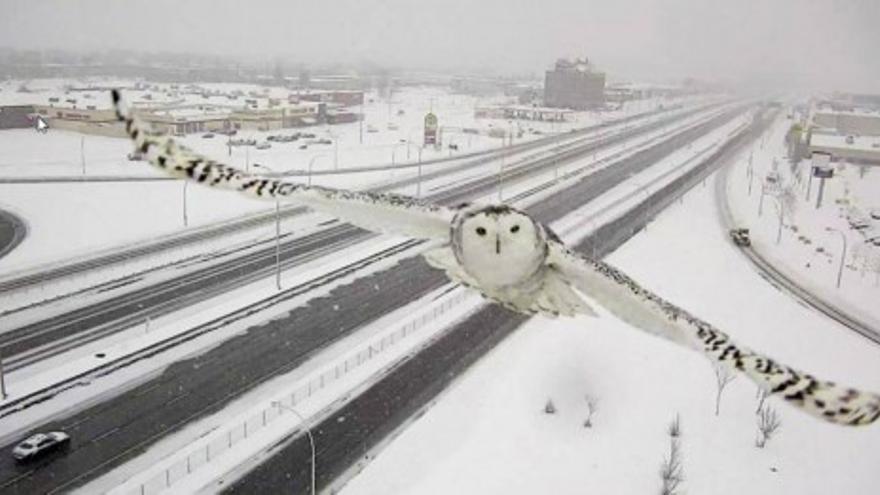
column 513, row 260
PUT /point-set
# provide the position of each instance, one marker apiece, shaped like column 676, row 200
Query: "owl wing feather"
column 634, row 304
column 378, row 212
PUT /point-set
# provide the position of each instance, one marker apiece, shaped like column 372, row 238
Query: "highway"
column 206, row 233
column 106, row 434
column 781, row 281
column 348, row 436
column 39, row 340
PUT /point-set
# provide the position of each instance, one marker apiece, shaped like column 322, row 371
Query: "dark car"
column 40, row 444
column 740, row 237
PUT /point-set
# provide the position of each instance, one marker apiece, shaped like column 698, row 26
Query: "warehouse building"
column 574, row 84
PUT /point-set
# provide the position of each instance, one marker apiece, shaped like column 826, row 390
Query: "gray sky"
column 810, row 43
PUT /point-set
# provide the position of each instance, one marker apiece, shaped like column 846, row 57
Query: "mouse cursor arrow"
column 41, row 125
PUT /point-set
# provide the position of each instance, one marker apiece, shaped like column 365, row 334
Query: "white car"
column 40, row 444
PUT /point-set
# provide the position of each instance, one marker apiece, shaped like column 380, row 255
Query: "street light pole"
column 842, row 254
column 302, row 420
column 312, row 162
column 185, row 217
column 277, row 237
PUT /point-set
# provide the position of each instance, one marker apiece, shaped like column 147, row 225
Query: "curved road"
column 781, row 280
column 12, row 231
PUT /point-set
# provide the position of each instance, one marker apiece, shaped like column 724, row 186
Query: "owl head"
column 498, row 244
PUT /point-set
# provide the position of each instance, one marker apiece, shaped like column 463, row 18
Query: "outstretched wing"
column 386, row 213
column 641, row 308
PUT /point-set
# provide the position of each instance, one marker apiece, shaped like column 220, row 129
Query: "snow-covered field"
column 71, row 219
column 489, row 433
column 806, row 250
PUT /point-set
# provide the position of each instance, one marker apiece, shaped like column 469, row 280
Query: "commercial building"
column 574, row 84
column 852, row 122
column 16, row 116
column 523, row 112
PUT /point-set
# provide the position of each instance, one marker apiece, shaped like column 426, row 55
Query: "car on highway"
column 39, row 445
column 740, row 237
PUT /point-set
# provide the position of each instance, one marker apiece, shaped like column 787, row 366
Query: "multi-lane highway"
column 119, row 428
column 433, row 169
column 50, row 336
column 347, row 436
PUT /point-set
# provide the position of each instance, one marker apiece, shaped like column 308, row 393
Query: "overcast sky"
column 813, row 43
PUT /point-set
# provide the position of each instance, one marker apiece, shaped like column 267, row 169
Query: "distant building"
column 574, row 84
column 16, row 116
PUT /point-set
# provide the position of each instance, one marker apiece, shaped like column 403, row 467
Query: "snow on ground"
column 488, row 433
column 70, row 219
column 806, row 250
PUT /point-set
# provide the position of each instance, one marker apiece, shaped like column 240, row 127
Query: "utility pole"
column 185, row 217
column 278, row 244
column 2, row 379
column 82, row 153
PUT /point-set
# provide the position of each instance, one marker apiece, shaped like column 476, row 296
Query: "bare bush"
column 675, row 427
column 592, row 406
column 671, row 470
column 768, row 423
column 723, row 376
column 762, row 396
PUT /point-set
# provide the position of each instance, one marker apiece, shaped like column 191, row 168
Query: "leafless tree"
column 723, row 376
column 550, row 408
column 762, row 396
column 592, row 405
column 768, row 423
column 671, row 470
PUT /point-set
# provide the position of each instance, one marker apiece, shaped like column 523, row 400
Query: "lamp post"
column 185, row 216
column 279, row 405
column 842, row 254
column 335, row 138
column 778, row 204
column 312, row 162
column 277, row 236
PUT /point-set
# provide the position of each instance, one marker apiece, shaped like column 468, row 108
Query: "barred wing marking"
column 630, row 302
column 385, row 213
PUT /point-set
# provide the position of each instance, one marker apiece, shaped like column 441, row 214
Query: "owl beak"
column 497, row 244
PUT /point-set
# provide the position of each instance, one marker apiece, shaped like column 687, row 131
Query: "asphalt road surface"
column 56, row 334
column 346, row 437
column 107, row 434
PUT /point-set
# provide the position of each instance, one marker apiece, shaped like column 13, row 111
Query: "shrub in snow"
column 768, row 423
column 675, row 427
column 592, row 405
column 762, row 396
column 671, row 470
column 549, row 408
column 723, row 376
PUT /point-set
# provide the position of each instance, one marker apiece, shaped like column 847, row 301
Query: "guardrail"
column 211, row 447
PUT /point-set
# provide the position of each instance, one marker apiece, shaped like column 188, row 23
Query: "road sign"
column 430, row 129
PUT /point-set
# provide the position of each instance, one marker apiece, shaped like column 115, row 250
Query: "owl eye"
column 481, row 231
column 514, row 229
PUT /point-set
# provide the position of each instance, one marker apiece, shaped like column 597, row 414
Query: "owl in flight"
column 513, row 260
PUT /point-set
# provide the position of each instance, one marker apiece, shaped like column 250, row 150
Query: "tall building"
column 574, row 84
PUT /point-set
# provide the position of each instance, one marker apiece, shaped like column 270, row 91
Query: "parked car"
column 263, row 146
column 740, row 237
column 323, row 141
column 208, row 135
column 40, row 444
column 303, row 146
column 875, row 213
column 135, row 156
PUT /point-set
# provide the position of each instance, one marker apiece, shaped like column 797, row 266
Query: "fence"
column 222, row 441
